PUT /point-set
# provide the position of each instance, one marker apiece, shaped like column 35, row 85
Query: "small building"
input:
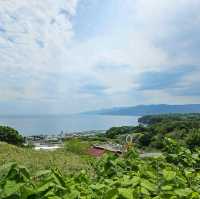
column 96, row 151
column 100, row 149
column 45, row 142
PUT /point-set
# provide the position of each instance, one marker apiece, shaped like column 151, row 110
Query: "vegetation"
column 10, row 135
column 175, row 175
column 115, row 131
column 193, row 139
column 154, row 119
column 70, row 173
column 62, row 159
column 77, row 146
column 184, row 128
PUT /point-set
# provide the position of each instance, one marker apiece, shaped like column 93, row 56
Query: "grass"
column 72, row 158
column 65, row 160
column 78, row 146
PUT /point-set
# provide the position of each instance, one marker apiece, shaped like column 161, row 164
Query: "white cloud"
column 37, row 38
column 33, row 37
column 34, row 32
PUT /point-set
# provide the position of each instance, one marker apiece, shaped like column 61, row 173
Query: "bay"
column 54, row 124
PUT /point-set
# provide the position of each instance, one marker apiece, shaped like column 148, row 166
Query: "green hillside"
column 70, row 173
column 62, row 159
column 174, row 175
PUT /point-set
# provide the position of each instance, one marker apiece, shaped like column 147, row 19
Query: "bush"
column 10, row 135
column 77, row 146
column 193, row 139
column 146, row 139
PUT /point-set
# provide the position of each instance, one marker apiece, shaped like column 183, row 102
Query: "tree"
column 10, row 135
column 115, row 131
column 146, row 138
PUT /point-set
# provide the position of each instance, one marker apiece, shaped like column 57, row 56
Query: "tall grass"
column 63, row 159
column 77, row 146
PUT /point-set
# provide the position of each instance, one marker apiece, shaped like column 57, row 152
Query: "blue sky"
column 69, row 56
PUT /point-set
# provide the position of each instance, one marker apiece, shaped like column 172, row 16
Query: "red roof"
column 96, row 152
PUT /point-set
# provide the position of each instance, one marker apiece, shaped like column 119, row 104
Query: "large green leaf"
column 183, row 192
column 148, row 185
column 169, row 175
column 11, row 188
column 125, row 193
column 111, row 194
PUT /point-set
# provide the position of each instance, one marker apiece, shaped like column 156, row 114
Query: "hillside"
column 184, row 128
column 63, row 159
column 174, row 175
column 69, row 173
column 141, row 110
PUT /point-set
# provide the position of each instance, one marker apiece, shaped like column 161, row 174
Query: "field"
column 66, row 159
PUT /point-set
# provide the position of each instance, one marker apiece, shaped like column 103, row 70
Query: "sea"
column 55, row 124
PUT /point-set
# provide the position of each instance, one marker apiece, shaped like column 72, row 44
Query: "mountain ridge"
column 152, row 109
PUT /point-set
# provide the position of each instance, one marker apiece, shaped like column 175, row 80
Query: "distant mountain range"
column 141, row 110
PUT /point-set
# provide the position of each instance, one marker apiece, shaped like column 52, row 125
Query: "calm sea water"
column 33, row 125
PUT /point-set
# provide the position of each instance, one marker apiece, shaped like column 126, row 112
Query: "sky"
column 67, row 56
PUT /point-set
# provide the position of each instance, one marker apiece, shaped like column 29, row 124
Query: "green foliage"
column 77, row 146
column 36, row 160
column 125, row 177
column 193, row 139
column 184, row 128
column 180, row 155
column 10, row 136
column 114, row 131
column 155, row 119
column 146, row 139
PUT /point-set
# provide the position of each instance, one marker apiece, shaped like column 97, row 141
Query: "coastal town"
column 52, row 142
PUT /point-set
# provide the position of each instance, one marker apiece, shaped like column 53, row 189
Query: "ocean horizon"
column 54, row 124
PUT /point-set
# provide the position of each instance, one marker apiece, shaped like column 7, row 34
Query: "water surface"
column 33, row 125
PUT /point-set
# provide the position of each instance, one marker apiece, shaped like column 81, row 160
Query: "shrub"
column 77, row 146
column 10, row 135
column 193, row 139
